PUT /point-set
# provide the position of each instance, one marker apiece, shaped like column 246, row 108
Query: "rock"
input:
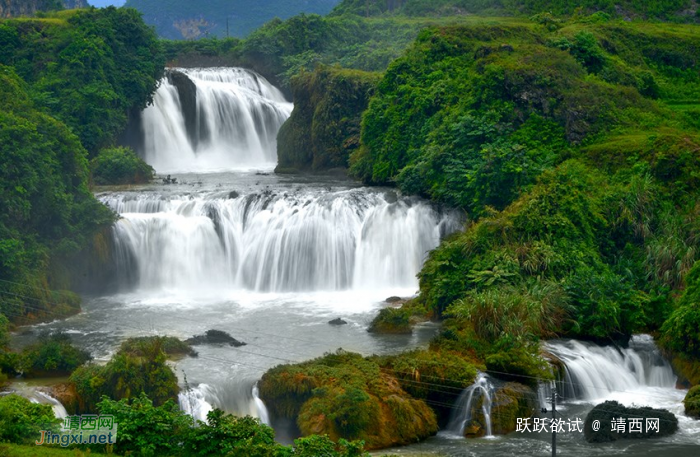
column 692, row 403
column 66, row 394
column 391, row 321
column 393, row 299
column 214, row 337
column 233, row 194
column 337, row 321
column 510, row 402
column 345, row 395
column 606, row 412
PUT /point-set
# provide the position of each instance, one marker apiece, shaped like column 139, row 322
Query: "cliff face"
column 13, row 8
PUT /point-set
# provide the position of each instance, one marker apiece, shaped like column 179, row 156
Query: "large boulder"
column 344, row 395
column 607, row 417
column 692, row 402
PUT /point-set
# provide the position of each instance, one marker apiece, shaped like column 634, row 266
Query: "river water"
column 271, row 259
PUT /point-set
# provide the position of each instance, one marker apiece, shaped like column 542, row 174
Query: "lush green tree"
column 120, row 165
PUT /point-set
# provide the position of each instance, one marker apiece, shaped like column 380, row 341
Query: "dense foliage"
column 347, row 396
column 52, row 354
column 120, row 165
column 138, row 367
column 324, row 127
column 21, row 420
column 571, row 145
column 678, row 10
column 67, row 81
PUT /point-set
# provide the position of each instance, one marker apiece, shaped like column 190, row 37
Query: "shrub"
column 145, row 429
column 126, row 376
column 21, row 420
column 53, row 353
column 120, row 165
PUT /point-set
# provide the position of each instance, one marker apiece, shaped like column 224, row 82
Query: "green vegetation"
column 138, row 367
column 67, row 81
column 52, row 354
column 21, row 420
column 391, row 320
column 579, row 180
column 692, row 402
column 120, row 165
column 343, row 395
column 325, row 125
column 676, row 10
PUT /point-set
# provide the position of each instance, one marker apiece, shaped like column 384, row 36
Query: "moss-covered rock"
column 324, row 127
column 692, row 402
column 344, row 395
column 510, row 402
column 391, row 320
column 606, row 412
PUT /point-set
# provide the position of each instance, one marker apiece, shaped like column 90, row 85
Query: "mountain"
column 674, row 10
column 13, row 8
column 183, row 19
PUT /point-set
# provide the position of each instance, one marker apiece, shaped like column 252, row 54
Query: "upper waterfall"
column 213, row 119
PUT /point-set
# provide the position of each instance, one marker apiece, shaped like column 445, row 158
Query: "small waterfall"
column 213, row 119
column 194, row 403
column 595, row 372
column 268, row 242
column 37, row 396
column 474, row 399
column 238, row 399
column 260, row 407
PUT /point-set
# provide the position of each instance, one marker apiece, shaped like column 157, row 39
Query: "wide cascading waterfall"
column 476, row 399
column 274, row 242
column 213, row 119
column 595, row 372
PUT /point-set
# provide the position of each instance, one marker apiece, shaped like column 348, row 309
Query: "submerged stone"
column 337, row 321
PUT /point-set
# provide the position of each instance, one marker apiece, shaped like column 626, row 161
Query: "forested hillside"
column 64, row 98
column 183, row 19
column 675, row 10
column 12, row 8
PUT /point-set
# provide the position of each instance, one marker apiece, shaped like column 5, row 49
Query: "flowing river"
column 272, row 259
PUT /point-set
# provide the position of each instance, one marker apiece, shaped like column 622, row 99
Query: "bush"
column 120, row 166
column 681, row 331
column 391, row 320
column 145, row 429
column 21, row 420
column 52, row 354
column 127, row 376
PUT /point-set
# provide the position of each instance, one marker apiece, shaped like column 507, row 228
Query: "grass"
column 15, row 450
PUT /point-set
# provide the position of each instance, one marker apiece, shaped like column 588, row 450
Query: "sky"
column 106, row 2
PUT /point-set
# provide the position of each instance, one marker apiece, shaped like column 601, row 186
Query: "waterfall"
column 36, row 396
column 260, row 407
column 193, row 402
column 474, row 399
column 213, row 119
column 595, row 373
column 234, row 399
column 274, row 242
